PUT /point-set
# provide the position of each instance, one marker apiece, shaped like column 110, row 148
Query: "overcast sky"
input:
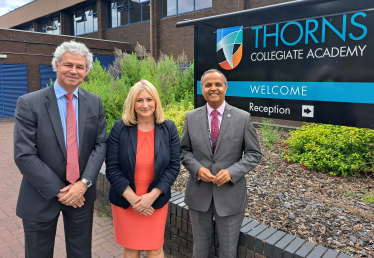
column 9, row 5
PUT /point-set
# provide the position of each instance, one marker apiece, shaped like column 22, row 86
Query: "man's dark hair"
column 213, row 71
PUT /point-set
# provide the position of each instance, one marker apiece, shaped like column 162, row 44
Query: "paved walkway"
column 11, row 232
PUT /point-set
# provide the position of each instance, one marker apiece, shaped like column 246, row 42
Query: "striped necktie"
column 72, row 164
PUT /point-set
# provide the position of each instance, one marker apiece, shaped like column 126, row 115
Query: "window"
column 84, row 20
column 123, row 12
column 173, row 7
column 51, row 26
column 28, row 28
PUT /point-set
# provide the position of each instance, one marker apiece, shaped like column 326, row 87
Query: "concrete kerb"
column 255, row 240
column 7, row 120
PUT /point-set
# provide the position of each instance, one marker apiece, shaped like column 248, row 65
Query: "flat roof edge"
column 111, row 41
column 255, row 11
column 17, row 8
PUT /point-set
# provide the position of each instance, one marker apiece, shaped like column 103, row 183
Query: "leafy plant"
column 368, row 197
column 113, row 85
column 50, row 83
column 338, row 150
column 269, row 133
column 177, row 114
column 350, row 194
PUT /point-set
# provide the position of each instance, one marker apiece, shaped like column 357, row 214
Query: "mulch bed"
column 311, row 205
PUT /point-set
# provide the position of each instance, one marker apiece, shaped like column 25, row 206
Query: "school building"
column 30, row 34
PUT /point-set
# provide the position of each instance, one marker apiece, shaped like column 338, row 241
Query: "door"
column 13, row 84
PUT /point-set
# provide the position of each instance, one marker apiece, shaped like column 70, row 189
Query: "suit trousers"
column 40, row 236
column 228, row 230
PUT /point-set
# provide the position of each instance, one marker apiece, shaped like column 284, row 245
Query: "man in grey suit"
column 219, row 147
column 59, row 148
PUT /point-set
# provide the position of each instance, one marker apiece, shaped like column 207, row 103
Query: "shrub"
column 174, row 86
column 177, row 113
column 112, row 92
column 338, row 150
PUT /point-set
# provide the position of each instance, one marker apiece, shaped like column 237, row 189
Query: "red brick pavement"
column 11, row 231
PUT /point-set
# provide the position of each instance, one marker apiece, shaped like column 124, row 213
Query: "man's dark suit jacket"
column 121, row 159
column 40, row 152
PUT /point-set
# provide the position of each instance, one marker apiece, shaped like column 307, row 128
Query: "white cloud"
column 10, row 5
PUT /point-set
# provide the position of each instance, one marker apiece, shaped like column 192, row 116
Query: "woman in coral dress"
column 142, row 163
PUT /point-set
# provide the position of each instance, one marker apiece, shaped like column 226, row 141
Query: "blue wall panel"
column 13, row 84
column 46, row 74
column 105, row 60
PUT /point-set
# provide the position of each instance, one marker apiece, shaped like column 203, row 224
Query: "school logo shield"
column 230, row 47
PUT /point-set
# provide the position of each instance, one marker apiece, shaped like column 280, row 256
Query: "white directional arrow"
column 307, row 111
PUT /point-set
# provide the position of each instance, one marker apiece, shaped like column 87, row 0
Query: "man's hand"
column 72, row 195
column 222, row 177
column 64, row 191
column 205, row 175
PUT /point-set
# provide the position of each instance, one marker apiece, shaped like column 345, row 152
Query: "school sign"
column 308, row 60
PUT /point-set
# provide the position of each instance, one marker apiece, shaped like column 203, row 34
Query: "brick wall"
column 101, row 16
column 259, row 3
column 34, row 10
column 131, row 33
column 93, row 35
column 16, row 44
column 32, row 62
column 167, row 38
column 102, row 203
column 172, row 40
column 256, row 240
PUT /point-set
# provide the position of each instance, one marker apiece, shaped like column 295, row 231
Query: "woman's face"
column 145, row 105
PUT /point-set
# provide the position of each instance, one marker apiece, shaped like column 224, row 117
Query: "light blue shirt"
column 62, row 102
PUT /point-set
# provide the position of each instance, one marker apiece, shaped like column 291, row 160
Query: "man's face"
column 71, row 71
column 214, row 89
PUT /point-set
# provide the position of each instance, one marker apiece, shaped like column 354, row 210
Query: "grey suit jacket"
column 236, row 136
column 40, row 152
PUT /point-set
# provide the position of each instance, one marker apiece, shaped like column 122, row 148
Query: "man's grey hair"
column 213, row 71
column 74, row 48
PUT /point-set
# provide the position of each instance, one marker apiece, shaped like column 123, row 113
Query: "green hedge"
column 177, row 114
column 174, row 86
column 338, row 150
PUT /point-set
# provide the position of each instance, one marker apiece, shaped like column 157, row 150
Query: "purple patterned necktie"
column 214, row 128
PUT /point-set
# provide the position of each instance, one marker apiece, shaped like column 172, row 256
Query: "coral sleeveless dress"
column 131, row 229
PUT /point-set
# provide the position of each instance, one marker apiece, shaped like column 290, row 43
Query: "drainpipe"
column 151, row 27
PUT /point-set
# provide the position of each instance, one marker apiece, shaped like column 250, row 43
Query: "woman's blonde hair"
column 129, row 114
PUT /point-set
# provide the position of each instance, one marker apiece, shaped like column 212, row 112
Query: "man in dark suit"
column 59, row 148
column 214, row 139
